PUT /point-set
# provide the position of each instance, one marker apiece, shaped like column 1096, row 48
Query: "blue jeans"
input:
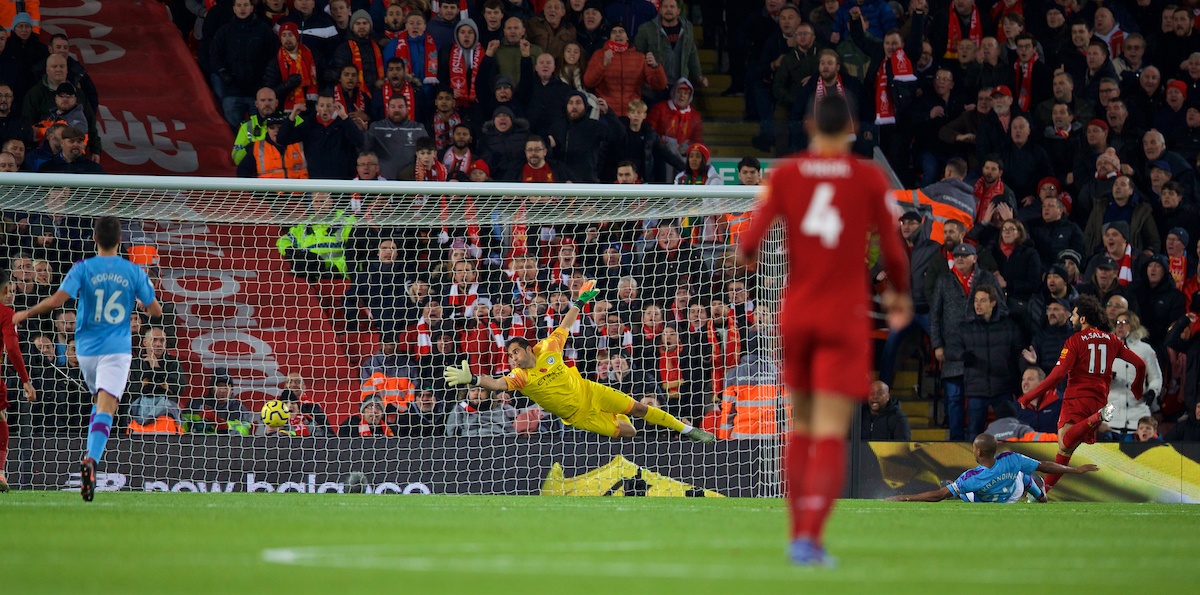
column 235, row 109
column 887, row 367
column 977, row 411
column 932, row 166
column 954, row 407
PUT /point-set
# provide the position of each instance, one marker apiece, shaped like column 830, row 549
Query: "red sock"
column 1061, row 459
column 3, row 443
column 795, row 460
column 1078, row 432
column 824, row 477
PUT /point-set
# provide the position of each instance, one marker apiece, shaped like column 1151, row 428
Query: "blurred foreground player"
column 1086, row 361
column 12, row 347
column 1000, row 479
column 540, row 372
column 829, row 201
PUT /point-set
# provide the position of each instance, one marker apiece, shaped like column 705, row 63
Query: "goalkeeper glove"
column 586, row 294
column 457, row 376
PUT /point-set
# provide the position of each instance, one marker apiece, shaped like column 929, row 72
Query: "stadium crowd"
column 1052, row 145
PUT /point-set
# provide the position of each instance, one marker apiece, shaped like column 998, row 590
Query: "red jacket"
column 621, row 81
column 681, row 125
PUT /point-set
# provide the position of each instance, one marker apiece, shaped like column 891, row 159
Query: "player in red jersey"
column 12, row 347
column 1086, row 362
column 829, row 201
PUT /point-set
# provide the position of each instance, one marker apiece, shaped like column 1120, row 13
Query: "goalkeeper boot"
column 3, row 483
column 1106, row 412
column 698, row 435
column 803, row 552
column 87, row 479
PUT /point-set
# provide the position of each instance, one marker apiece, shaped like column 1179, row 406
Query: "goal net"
column 346, row 301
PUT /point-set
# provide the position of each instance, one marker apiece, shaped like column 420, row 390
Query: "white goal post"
column 346, row 300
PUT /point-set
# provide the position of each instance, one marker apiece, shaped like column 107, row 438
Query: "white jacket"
column 1130, row 410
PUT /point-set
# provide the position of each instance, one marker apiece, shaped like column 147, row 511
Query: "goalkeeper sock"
column 659, row 417
column 1052, row 478
column 824, row 476
column 795, row 458
column 98, row 432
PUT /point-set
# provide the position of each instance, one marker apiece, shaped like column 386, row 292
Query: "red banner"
column 156, row 114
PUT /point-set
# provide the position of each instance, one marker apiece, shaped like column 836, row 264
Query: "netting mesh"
column 348, row 305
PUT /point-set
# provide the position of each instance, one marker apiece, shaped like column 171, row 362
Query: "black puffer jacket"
column 240, row 52
column 504, row 152
column 949, row 310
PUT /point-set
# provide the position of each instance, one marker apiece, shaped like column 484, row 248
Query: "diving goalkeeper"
column 540, row 373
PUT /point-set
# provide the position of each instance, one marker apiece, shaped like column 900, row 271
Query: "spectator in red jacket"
column 676, row 121
column 617, row 72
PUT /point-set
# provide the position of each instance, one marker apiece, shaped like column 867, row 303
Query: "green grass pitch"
column 268, row 543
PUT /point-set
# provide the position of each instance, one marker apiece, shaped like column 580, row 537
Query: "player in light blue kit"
column 1002, row 479
column 107, row 288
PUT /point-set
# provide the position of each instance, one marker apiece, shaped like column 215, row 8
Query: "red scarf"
column 406, row 91
column 442, row 127
column 360, row 104
column 1024, row 76
column 617, row 48
column 724, row 356
column 822, row 90
column 983, row 193
column 669, row 372
column 999, row 9
column 520, row 230
column 424, row 339
column 963, row 280
column 431, row 59
column 1007, row 249
column 357, row 59
column 437, row 173
column 1125, row 274
column 1177, row 266
column 954, row 32
column 902, row 71
column 455, row 298
column 364, row 429
column 454, row 163
column 303, row 65
column 464, row 89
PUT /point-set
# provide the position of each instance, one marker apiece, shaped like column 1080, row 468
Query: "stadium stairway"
column 726, row 131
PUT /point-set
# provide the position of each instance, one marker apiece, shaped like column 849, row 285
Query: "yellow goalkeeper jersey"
column 551, row 383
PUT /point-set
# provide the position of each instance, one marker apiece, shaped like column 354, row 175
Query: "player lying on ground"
column 1002, row 478
column 1086, row 362
column 12, row 346
column 540, row 373
column 107, row 288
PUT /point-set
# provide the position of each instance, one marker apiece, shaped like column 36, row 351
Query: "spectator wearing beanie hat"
column 1160, row 303
column 1180, row 265
column 360, row 50
column 1171, row 214
column 1117, row 249
column 1097, row 185
column 1173, row 116
column 1072, row 261
column 1054, row 287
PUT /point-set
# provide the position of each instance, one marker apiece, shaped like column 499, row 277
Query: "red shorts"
column 1076, row 410
column 833, row 356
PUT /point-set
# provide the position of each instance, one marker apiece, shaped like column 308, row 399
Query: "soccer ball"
column 275, row 413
